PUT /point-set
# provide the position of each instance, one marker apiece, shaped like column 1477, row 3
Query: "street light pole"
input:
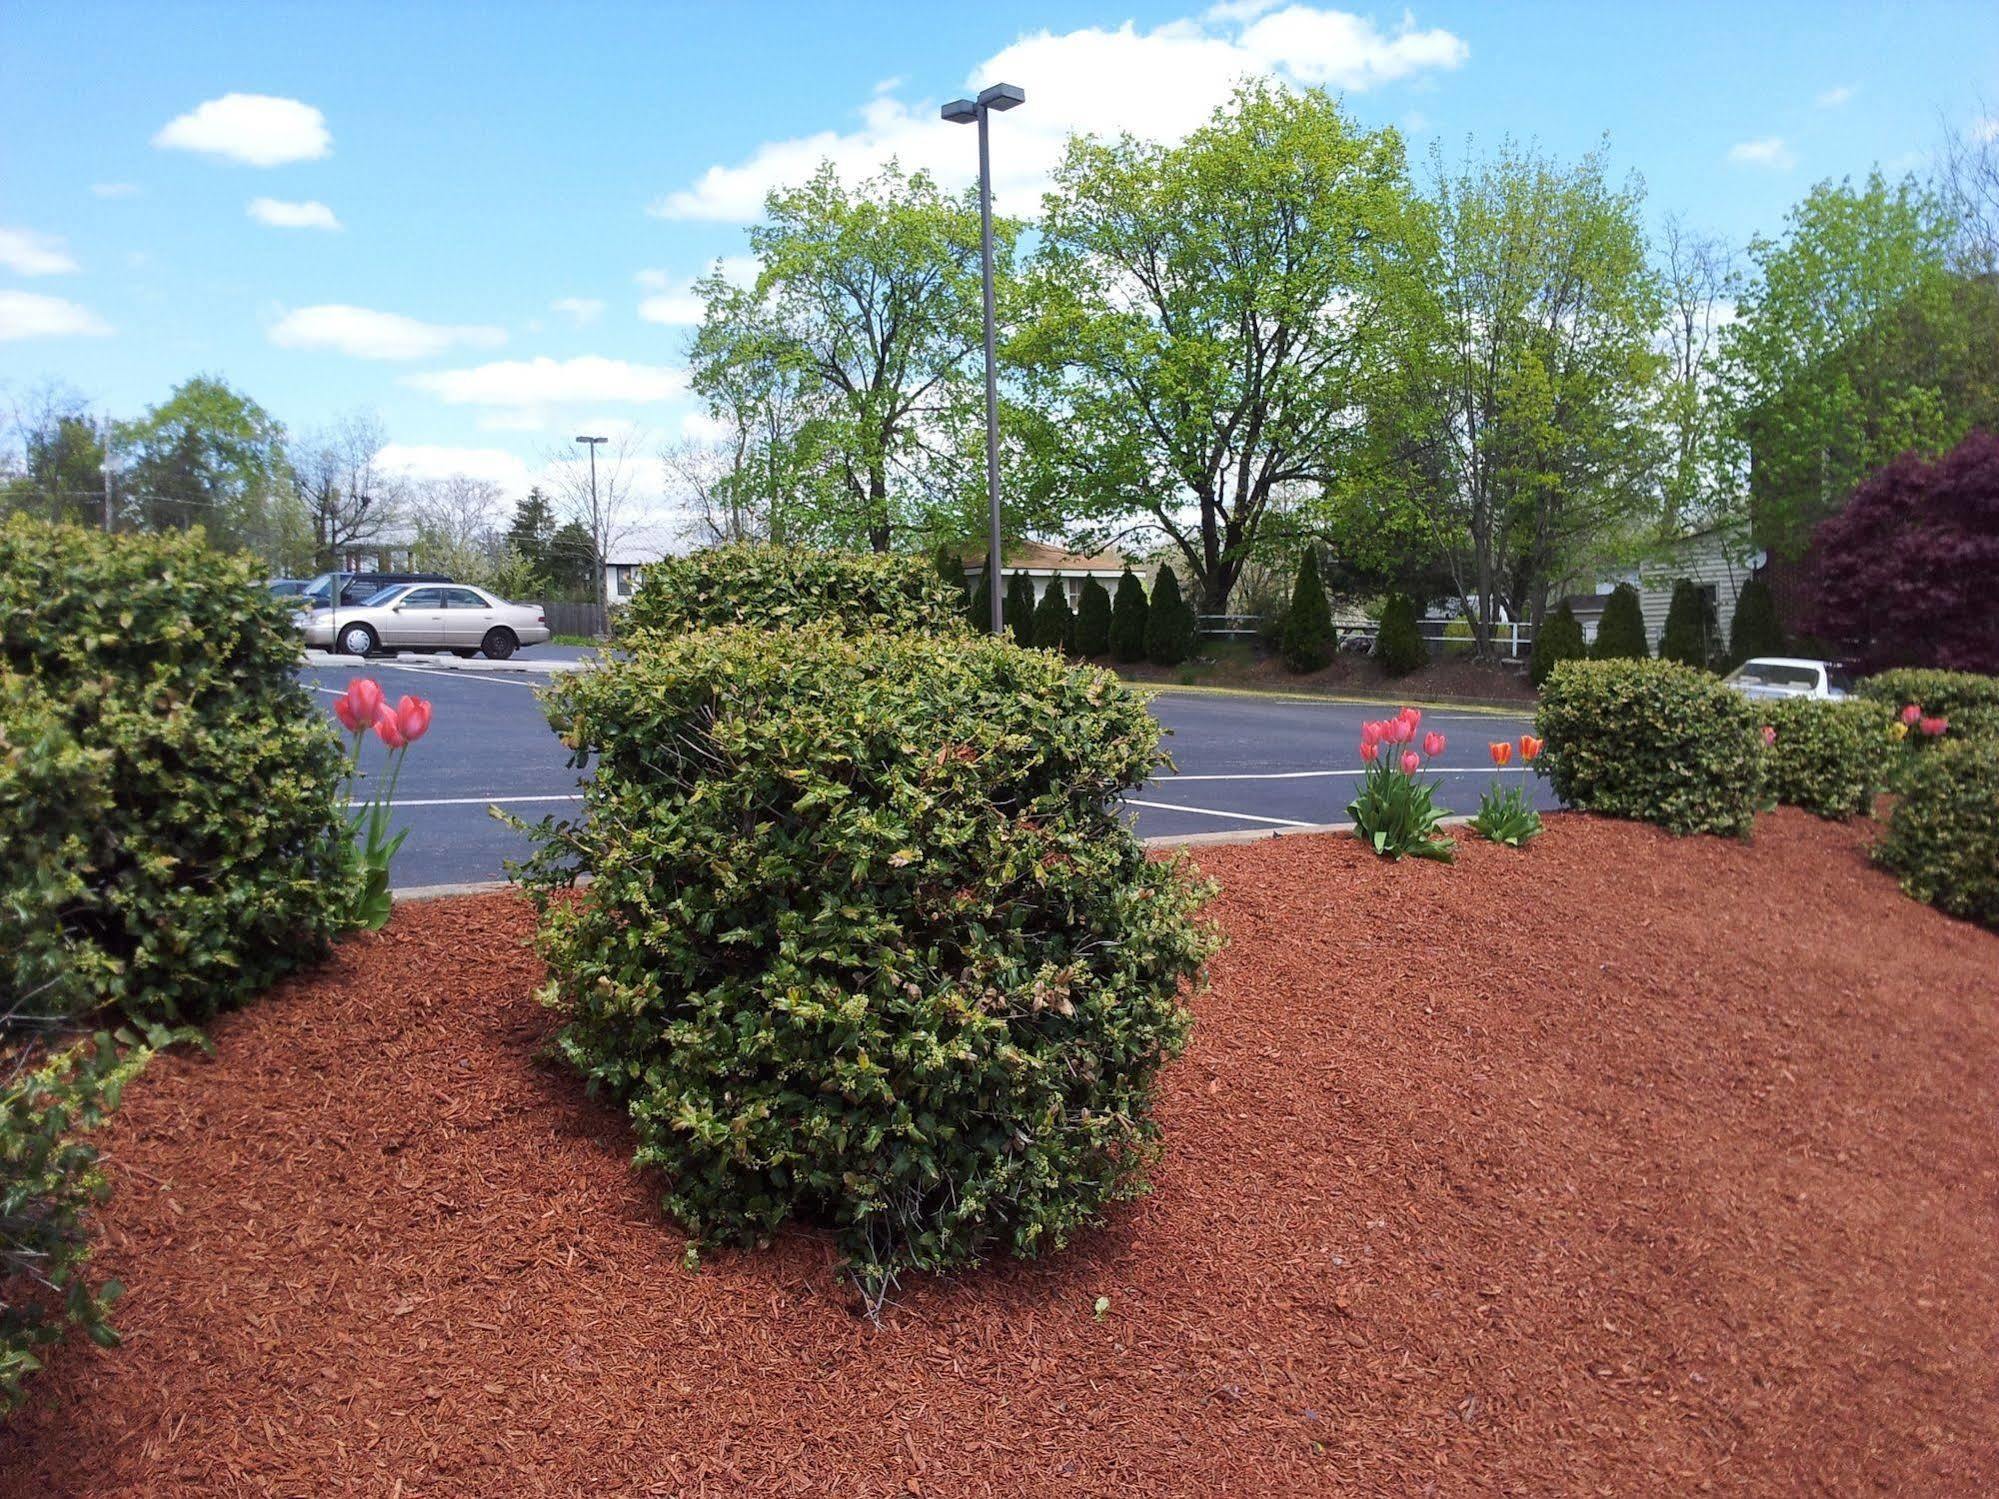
column 1001, row 96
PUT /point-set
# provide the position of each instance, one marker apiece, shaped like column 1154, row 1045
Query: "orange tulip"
column 1529, row 746
column 1501, row 751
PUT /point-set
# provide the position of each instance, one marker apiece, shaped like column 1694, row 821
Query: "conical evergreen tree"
column 951, row 568
column 1170, row 625
column 1093, row 620
column 1561, row 639
column 1128, row 615
column 1308, row 639
column 1400, row 647
column 1692, row 637
column 1754, row 630
column 982, row 603
column 1054, row 624
column 1620, row 634
column 1020, row 609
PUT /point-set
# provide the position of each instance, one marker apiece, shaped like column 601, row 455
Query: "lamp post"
column 1001, row 96
column 597, row 563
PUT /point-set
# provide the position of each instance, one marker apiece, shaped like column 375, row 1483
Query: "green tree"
column 982, row 602
column 1308, row 639
column 206, row 456
column 849, row 369
column 1170, row 624
column 572, row 568
column 1559, row 639
column 1054, row 624
column 1620, row 633
column 532, row 532
column 1692, row 635
column 1855, row 342
column 1399, row 645
column 1128, row 619
column 56, row 470
column 1754, row 630
column 1018, row 609
column 951, row 568
column 1539, row 438
column 1093, row 620
column 1209, row 315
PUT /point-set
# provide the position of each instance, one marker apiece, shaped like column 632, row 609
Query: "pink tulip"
column 350, row 719
column 1433, row 744
column 1369, row 750
column 1410, row 762
column 1911, row 713
column 413, row 718
column 366, row 693
column 1933, row 726
column 1412, row 716
column 1370, row 733
column 388, row 730
column 1769, row 736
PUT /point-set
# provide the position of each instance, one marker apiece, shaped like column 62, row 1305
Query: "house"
column 1047, row 565
column 1715, row 561
column 626, row 559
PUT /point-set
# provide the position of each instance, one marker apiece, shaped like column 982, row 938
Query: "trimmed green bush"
column 867, row 943
column 1654, row 741
column 1399, row 646
column 774, row 586
column 1019, row 607
column 1692, row 635
column 1171, row 627
column 1970, row 701
column 1943, row 835
column 1560, row 639
column 1620, row 633
column 1308, row 641
column 49, row 1182
column 1054, row 624
column 1753, row 629
column 1128, row 617
column 1093, row 620
column 1828, row 757
column 172, row 811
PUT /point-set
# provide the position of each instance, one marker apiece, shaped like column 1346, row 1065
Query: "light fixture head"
column 1002, row 96
column 960, row 112
column 593, row 439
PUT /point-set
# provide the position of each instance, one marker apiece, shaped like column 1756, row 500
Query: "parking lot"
column 1242, row 762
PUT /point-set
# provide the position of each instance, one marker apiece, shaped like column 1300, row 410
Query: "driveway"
column 1242, row 763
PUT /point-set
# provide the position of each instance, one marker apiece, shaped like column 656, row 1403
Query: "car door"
column 468, row 617
column 418, row 619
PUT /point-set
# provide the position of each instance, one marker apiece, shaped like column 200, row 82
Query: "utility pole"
column 106, row 467
column 596, row 520
column 1000, row 96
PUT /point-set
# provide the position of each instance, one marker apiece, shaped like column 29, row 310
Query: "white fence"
column 1512, row 638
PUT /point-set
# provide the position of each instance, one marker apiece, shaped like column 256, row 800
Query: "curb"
column 1488, row 707
column 513, row 665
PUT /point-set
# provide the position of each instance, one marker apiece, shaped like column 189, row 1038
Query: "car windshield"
column 1839, row 679
column 1774, row 674
column 383, row 596
column 320, row 588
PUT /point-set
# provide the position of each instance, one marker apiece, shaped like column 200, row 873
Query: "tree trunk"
column 878, row 527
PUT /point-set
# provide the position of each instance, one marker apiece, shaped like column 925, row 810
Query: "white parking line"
column 1276, row 822
column 479, row 801
column 462, row 676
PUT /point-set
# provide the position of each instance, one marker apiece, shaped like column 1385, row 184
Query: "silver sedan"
column 428, row 617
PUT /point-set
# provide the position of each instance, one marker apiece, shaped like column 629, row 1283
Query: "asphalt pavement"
column 1243, row 762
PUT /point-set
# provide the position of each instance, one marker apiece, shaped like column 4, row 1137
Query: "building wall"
column 1703, row 560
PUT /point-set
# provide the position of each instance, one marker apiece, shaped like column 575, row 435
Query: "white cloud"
column 675, row 303
column 282, row 215
column 579, row 310
column 1833, row 98
column 424, row 461
column 1159, row 83
column 27, row 253
column 363, row 333
column 1770, row 151
column 1986, row 129
column 531, row 384
column 115, row 189
column 27, row 314
column 255, row 129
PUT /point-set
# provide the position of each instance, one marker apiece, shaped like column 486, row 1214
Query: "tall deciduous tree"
column 1856, row 342
column 1702, row 466
column 848, row 371
column 337, row 476
column 52, row 464
column 1210, row 315
column 207, row 456
column 1537, row 390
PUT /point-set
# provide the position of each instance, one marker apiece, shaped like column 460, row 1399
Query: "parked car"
column 286, row 588
column 428, row 617
column 1763, row 677
column 358, row 588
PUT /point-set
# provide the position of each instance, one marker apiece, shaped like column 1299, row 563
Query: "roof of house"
column 1040, row 557
column 642, row 546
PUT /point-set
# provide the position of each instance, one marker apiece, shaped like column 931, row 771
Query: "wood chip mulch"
column 1619, row 1165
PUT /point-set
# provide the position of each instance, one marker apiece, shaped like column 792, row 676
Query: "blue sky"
column 522, row 191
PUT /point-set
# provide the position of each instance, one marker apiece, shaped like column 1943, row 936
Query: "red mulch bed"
column 1623, row 1164
column 1444, row 679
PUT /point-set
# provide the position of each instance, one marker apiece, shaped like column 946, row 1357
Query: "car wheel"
column 464, row 652
column 358, row 640
column 499, row 644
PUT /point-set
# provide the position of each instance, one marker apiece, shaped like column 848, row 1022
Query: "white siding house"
column 626, row 561
column 1712, row 562
column 1045, row 565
